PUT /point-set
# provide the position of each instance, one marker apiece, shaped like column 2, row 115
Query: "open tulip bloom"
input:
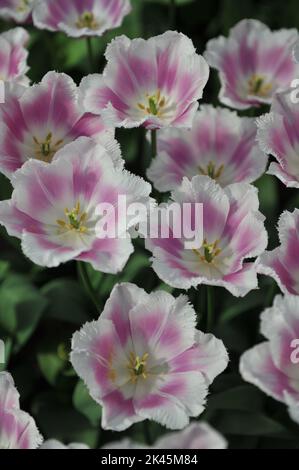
column 233, row 230
column 220, row 145
column 155, row 83
column 17, row 428
column 38, row 121
column 13, row 56
column 269, row 365
column 282, row 264
column 79, row 18
column 198, row 435
column 254, row 63
column 16, row 10
column 144, row 359
column 278, row 135
column 54, row 207
column 53, row 444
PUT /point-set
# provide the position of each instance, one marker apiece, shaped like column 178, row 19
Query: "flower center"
column 258, row 86
column 46, row 150
column 23, row 5
column 155, row 105
column 75, row 220
column 137, row 366
column 208, row 251
column 211, row 170
column 87, row 20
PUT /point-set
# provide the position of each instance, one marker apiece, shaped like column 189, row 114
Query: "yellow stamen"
column 46, row 149
column 211, row 170
column 137, row 366
column 87, row 20
column 208, row 252
column 76, row 220
column 23, row 5
column 154, row 105
column 257, row 86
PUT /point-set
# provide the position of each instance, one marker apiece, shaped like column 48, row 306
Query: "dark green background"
column 41, row 308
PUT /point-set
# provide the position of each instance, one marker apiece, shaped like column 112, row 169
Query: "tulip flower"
column 220, row 145
column 17, row 428
column 233, row 230
column 273, row 364
column 253, row 63
column 144, row 359
column 80, row 18
column 282, row 263
column 38, row 121
column 54, row 208
column 152, row 83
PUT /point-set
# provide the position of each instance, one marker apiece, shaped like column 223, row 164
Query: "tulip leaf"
column 85, row 404
column 66, row 301
column 21, row 307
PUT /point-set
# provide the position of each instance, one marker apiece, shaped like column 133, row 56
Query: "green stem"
column 172, row 14
column 210, row 309
column 90, row 54
column 201, row 305
column 147, row 434
column 84, row 278
column 270, row 294
column 153, row 143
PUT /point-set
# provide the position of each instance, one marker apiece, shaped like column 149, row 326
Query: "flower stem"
column 147, row 434
column 90, row 53
column 172, row 14
column 153, row 143
column 270, row 294
column 210, row 309
column 201, row 305
column 86, row 283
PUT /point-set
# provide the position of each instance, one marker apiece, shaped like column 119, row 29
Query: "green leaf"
column 51, row 365
column 4, row 268
column 268, row 194
column 60, row 421
column 66, row 301
column 21, row 307
column 233, row 310
column 244, row 397
column 85, row 404
column 133, row 271
column 250, row 424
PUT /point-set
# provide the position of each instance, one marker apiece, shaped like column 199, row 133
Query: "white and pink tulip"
column 269, row 365
column 80, row 18
column 253, row 63
column 54, row 207
column 233, row 230
column 13, row 56
column 282, row 263
column 278, row 135
column 17, row 428
column 198, row 435
column 154, row 83
column 220, row 145
column 144, row 359
column 16, row 10
column 38, row 121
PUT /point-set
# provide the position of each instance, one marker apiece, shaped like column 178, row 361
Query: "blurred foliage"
column 40, row 309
